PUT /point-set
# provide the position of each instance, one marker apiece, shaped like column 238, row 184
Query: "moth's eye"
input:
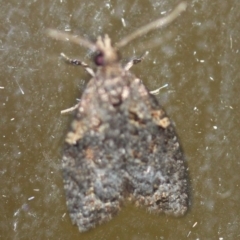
column 99, row 59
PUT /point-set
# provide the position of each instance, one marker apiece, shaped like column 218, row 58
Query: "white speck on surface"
column 63, row 215
column 194, row 225
column 20, row 88
column 202, row 61
column 31, row 198
column 211, row 78
column 14, row 226
column 188, row 233
column 16, row 213
column 196, row 23
column 32, row 215
column 123, row 22
column 12, row 119
column 215, row 127
column 36, row 190
column 163, row 12
column 96, row 15
column 1, row 87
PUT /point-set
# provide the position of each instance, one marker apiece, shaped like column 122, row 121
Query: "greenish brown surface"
column 201, row 66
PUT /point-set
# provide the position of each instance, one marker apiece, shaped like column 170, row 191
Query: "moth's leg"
column 79, row 63
column 68, row 110
column 156, row 91
column 134, row 61
column 86, row 67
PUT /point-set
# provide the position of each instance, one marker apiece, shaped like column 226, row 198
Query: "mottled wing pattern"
column 157, row 170
column 121, row 145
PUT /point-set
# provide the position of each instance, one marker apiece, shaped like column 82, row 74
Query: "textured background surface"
column 200, row 66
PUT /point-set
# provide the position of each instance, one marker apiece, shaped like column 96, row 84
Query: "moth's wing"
column 121, row 143
column 92, row 184
column 156, row 166
column 92, row 197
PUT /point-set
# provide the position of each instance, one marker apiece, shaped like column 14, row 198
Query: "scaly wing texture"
column 121, row 144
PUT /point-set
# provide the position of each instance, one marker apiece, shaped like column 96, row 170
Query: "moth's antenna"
column 150, row 44
column 74, row 39
column 154, row 25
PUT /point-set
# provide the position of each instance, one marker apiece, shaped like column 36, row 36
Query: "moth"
column 121, row 143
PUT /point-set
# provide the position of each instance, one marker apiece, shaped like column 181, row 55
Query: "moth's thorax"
column 111, row 84
column 110, row 71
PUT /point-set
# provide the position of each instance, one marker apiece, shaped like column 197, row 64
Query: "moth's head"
column 105, row 53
